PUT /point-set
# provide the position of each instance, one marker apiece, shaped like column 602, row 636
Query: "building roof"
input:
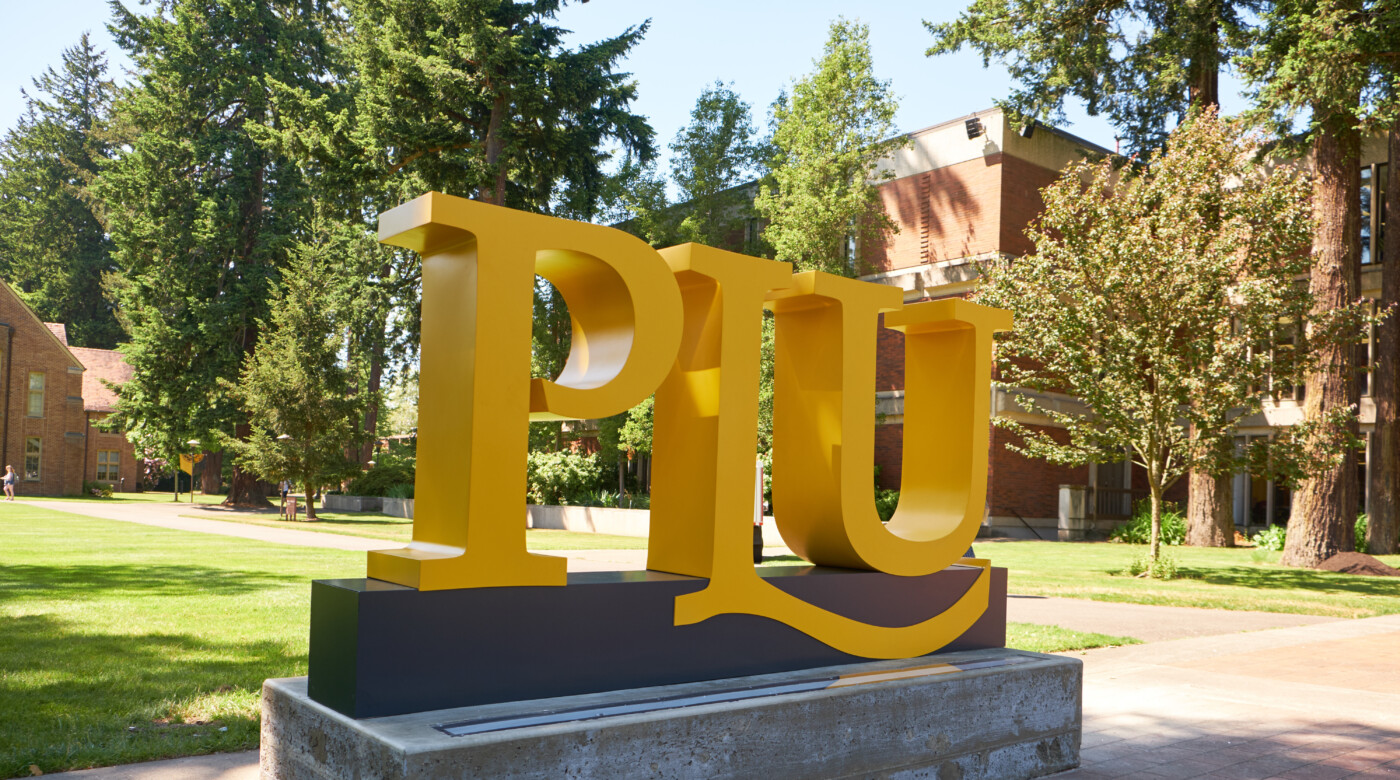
column 59, row 330
column 101, row 364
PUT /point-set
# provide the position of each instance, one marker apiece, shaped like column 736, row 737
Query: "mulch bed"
column 1359, row 563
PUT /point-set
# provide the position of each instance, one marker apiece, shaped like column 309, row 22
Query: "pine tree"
column 53, row 248
column 201, row 215
column 1321, row 57
column 828, row 138
column 294, row 388
column 1142, row 62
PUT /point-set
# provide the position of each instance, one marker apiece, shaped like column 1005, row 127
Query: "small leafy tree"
column 829, row 136
column 294, row 388
column 714, row 154
column 1152, row 297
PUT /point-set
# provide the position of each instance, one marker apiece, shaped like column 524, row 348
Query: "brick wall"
column 889, row 454
column 30, row 347
column 1026, row 486
column 943, row 214
column 128, row 473
column 1021, row 203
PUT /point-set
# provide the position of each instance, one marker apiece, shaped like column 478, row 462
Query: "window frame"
column 111, row 465
column 42, row 391
column 38, row 456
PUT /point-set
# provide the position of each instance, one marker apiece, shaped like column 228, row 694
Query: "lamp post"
column 194, row 447
column 283, row 491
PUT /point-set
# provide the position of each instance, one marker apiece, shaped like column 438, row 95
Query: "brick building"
column 966, row 193
column 52, row 399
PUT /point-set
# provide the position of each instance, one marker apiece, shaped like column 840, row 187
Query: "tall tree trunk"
column 376, row 375
column 1324, row 507
column 212, row 480
column 244, row 488
column 1204, row 67
column 496, row 191
column 1155, row 540
column 1210, row 519
column 1383, row 525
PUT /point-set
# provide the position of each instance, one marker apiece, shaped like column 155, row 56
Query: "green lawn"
column 1053, row 639
column 126, row 642
column 1245, row 579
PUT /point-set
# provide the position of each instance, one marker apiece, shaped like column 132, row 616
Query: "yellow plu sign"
column 685, row 323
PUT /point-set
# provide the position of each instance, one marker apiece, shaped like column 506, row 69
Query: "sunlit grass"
column 1214, row 578
column 126, row 642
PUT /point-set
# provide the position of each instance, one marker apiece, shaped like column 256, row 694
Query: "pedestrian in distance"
column 10, row 479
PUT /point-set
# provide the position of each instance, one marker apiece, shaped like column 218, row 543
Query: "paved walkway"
column 1213, row 693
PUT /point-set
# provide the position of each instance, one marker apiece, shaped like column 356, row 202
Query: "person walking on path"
column 10, row 478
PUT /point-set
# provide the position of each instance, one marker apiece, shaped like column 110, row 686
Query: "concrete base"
column 978, row 714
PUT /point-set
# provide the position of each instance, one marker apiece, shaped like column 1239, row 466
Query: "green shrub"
column 395, row 467
column 885, row 502
column 562, row 477
column 1271, row 538
column 1361, row 533
column 1139, row 529
column 99, row 489
column 1165, row 569
column 403, row 490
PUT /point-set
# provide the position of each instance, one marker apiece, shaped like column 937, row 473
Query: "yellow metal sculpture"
column 475, row 395
column 686, row 323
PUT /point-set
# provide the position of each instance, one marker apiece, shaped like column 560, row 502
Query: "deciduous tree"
column 714, row 155
column 829, row 136
column 1147, row 298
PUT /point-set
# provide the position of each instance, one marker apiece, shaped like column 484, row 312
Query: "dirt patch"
column 1359, row 563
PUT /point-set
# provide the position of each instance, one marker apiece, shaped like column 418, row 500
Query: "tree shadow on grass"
column 1293, row 579
column 71, row 698
column 24, row 580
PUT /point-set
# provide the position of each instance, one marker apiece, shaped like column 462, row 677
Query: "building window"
column 107, row 463
column 36, row 394
column 1372, row 213
column 33, row 454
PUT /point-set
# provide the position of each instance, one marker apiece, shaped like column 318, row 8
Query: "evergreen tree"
column 53, row 248
column 1140, row 62
column 1383, row 525
column 294, row 388
column 828, row 138
column 714, row 155
column 1320, row 57
column 480, row 98
column 201, row 215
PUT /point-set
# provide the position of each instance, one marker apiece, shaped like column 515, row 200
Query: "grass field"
column 1245, row 579
column 129, row 643
column 126, row 642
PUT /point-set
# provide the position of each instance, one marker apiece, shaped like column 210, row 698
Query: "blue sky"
column 758, row 46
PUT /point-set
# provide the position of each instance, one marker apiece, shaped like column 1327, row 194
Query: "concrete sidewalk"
column 1307, row 703
column 206, row 520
